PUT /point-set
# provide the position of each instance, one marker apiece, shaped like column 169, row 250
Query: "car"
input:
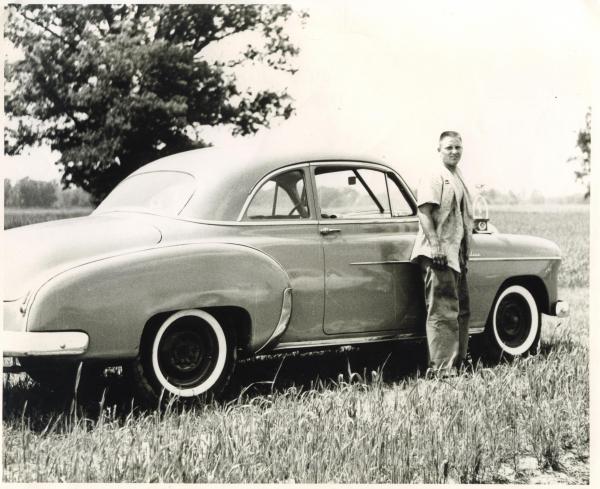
column 204, row 257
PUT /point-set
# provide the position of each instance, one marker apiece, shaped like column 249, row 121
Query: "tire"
column 189, row 355
column 514, row 325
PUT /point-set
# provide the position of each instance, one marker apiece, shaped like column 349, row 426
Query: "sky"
column 515, row 78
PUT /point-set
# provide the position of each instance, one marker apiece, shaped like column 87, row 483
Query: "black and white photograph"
column 306, row 242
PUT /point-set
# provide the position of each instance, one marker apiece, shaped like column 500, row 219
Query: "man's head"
column 450, row 148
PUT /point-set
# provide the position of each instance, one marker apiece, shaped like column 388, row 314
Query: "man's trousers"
column 447, row 301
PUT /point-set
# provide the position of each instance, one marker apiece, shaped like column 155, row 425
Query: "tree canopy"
column 584, row 158
column 112, row 87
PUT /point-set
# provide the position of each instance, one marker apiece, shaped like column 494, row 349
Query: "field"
column 347, row 416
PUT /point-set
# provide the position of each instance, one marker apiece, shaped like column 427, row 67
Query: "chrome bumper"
column 26, row 343
column 560, row 309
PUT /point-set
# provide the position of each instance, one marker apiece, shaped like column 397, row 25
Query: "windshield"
column 159, row 192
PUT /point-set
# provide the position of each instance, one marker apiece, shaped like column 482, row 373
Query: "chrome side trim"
column 27, row 343
column 519, row 258
column 386, row 262
column 293, row 345
column 477, row 330
column 284, row 319
column 383, row 220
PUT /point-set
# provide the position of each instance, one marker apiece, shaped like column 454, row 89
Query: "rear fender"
column 113, row 299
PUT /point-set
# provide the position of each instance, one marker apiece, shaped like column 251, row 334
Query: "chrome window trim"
column 383, row 220
column 364, row 164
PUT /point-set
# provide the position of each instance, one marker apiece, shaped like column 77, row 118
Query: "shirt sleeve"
column 429, row 190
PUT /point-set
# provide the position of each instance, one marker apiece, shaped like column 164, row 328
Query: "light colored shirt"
column 452, row 214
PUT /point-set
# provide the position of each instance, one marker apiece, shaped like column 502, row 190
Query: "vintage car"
column 210, row 255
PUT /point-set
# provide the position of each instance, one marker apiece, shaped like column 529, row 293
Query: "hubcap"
column 187, row 352
column 513, row 320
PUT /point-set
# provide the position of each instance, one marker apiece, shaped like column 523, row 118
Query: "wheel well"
column 230, row 317
column 535, row 285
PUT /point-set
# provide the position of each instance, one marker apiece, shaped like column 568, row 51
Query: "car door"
column 280, row 221
column 368, row 224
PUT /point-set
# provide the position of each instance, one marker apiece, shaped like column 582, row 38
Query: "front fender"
column 112, row 299
column 497, row 258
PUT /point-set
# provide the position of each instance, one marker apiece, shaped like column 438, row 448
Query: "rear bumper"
column 59, row 343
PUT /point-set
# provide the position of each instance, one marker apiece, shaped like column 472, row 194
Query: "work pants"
column 447, row 327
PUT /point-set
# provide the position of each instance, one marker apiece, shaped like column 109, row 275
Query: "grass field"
column 14, row 217
column 347, row 416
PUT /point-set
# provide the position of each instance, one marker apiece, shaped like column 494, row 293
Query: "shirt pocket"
column 447, row 197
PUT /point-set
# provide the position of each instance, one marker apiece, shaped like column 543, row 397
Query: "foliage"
column 35, row 193
column 584, row 158
column 29, row 193
column 112, row 87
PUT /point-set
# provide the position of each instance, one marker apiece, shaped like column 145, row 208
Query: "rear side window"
column 281, row 197
column 158, row 192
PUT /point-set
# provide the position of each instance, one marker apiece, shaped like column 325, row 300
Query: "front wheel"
column 514, row 325
column 188, row 355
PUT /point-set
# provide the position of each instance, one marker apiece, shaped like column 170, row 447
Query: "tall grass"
column 353, row 428
column 338, row 417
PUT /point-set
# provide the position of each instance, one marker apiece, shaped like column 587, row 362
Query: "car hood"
column 35, row 253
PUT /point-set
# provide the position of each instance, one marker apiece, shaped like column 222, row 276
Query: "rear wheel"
column 514, row 325
column 188, row 355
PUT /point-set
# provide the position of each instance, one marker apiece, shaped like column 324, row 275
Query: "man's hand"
column 439, row 258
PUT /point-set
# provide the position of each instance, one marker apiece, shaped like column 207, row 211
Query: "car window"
column 160, row 192
column 352, row 193
column 400, row 205
column 281, row 197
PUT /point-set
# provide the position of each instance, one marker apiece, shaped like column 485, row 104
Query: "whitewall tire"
column 515, row 321
column 188, row 354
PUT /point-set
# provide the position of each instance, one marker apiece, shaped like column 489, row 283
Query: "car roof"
column 226, row 175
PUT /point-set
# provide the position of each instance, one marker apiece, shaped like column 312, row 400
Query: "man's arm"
column 437, row 254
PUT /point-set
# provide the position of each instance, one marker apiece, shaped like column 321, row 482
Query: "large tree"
column 112, row 87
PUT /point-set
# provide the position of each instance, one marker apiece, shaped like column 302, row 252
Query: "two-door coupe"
column 202, row 257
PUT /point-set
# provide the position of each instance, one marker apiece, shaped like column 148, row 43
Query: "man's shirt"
column 452, row 214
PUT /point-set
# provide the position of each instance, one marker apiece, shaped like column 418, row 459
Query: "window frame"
column 358, row 165
column 243, row 217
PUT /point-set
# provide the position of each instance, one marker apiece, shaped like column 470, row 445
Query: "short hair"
column 450, row 134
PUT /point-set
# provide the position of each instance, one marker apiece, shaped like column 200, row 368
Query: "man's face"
column 451, row 150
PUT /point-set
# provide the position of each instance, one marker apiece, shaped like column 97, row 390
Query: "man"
column 442, row 250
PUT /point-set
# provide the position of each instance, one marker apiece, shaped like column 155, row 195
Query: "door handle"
column 329, row 230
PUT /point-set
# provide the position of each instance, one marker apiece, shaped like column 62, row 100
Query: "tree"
column 584, row 158
column 31, row 193
column 112, row 87
column 7, row 192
